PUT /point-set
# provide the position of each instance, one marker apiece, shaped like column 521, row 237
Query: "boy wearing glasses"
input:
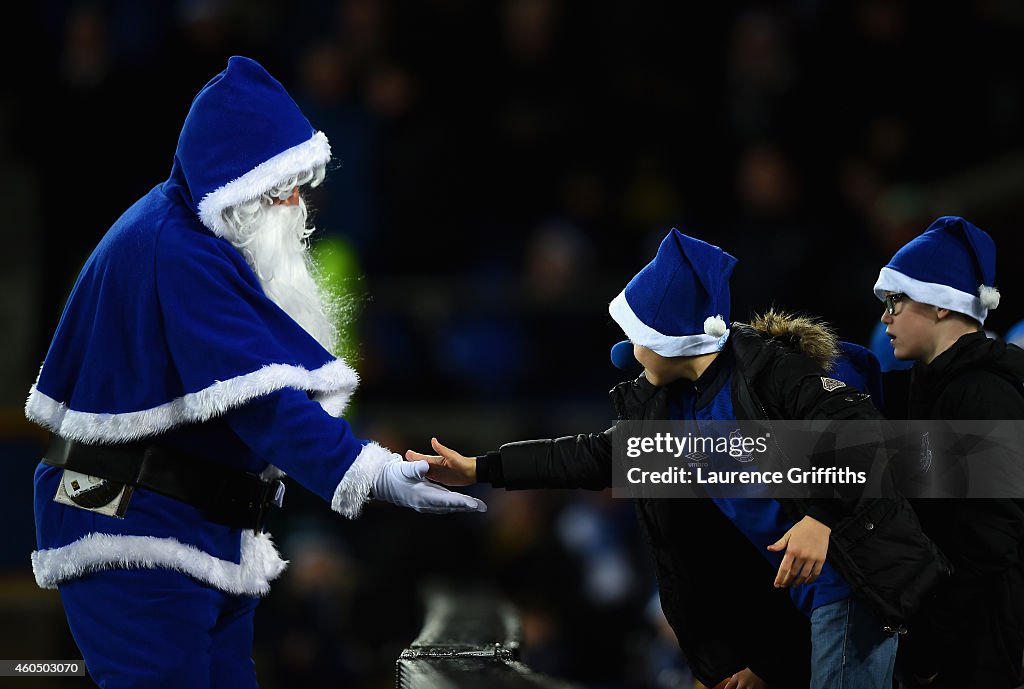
column 937, row 291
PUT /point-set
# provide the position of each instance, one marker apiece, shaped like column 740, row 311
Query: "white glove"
column 405, row 484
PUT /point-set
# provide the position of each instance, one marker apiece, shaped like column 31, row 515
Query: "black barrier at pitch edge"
column 468, row 640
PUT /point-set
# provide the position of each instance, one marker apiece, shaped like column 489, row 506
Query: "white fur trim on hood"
column 333, row 385
column 310, row 154
column 259, row 564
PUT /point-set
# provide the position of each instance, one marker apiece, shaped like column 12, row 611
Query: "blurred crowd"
column 502, row 169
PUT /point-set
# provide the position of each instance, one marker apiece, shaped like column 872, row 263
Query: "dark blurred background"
column 502, row 169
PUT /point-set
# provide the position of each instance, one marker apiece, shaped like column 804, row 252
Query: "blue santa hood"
column 167, row 324
column 678, row 304
column 243, row 135
column 952, row 265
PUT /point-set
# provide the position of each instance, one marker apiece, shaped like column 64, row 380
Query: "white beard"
column 275, row 247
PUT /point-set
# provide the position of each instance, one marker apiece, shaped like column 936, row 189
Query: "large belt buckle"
column 93, row 494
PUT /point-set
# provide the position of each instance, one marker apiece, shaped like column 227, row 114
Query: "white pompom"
column 989, row 296
column 714, row 326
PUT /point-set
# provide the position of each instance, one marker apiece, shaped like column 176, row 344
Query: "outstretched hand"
column 405, row 484
column 447, row 466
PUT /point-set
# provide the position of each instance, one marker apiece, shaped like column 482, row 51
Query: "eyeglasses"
column 891, row 300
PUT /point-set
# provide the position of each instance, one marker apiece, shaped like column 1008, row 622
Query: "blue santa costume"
column 168, row 335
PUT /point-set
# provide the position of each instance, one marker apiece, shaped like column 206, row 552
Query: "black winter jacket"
column 972, row 631
column 716, row 590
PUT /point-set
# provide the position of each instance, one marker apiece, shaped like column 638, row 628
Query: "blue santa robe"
column 167, row 334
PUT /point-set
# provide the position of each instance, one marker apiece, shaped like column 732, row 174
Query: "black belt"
column 226, row 496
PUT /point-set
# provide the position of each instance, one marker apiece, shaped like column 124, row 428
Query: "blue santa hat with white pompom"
column 678, row 304
column 952, row 265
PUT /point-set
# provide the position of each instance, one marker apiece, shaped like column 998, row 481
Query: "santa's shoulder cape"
column 204, row 338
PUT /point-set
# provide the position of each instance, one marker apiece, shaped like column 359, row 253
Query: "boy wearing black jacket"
column 937, row 291
column 732, row 621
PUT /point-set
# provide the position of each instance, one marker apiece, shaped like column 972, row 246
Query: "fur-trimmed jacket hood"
column 812, row 337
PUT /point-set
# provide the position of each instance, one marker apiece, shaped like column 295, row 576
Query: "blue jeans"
column 849, row 650
column 160, row 629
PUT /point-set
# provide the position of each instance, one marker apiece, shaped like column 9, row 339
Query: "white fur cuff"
column 354, row 490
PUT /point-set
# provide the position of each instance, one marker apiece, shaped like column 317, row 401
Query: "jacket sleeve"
column 579, row 461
